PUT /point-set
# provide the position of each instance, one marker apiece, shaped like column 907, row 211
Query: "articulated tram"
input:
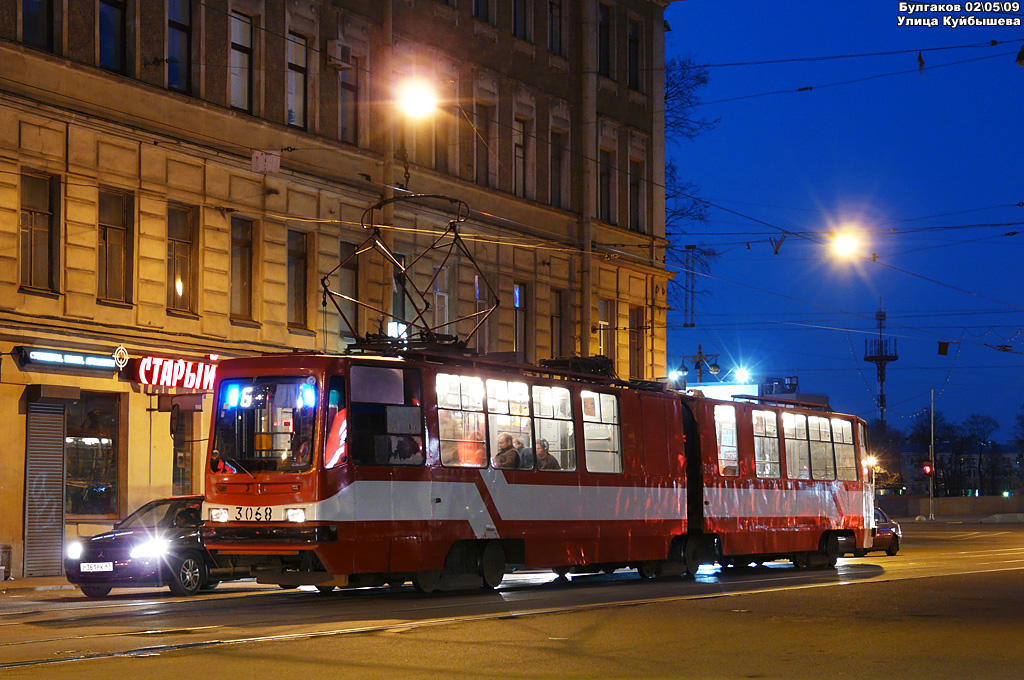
column 450, row 470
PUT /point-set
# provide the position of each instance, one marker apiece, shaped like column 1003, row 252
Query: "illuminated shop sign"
column 58, row 358
column 163, row 372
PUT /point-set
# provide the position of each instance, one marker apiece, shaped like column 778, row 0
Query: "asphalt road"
column 950, row 605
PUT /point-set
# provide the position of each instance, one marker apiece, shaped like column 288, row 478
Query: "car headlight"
column 219, row 514
column 74, row 550
column 156, row 547
column 295, row 514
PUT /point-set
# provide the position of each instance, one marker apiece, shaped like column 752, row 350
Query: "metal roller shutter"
column 44, row 490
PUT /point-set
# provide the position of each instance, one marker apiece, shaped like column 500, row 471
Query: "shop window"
column 601, row 441
column 823, row 463
column 846, row 462
column 552, row 410
column 92, row 450
column 766, row 444
column 798, row 451
column 461, row 422
column 725, row 432
column 386, row 416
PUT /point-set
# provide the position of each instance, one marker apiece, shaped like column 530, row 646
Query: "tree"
column 950, row 445
column 981, row 455
column 683, row 206
column 885, row 444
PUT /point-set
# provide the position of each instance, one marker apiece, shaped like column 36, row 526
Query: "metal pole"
column 931, row 456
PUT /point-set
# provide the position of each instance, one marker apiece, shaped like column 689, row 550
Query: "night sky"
column 925, row 164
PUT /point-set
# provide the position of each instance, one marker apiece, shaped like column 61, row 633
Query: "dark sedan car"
column 157, row 545
column 887, row 536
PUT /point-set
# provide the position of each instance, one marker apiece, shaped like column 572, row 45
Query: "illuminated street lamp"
column 845, row 244
column 699, row 361
column 416, row 99
column 871, row 462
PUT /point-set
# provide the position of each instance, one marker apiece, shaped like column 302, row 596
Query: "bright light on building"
column 416, row 99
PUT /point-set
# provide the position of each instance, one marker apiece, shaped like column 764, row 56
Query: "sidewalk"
column 13, row 586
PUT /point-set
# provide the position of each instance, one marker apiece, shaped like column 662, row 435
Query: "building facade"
column 177, row 176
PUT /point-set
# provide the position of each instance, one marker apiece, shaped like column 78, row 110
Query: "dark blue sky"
column 916, row 160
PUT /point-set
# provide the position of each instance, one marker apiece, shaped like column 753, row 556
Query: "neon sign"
column 192, row 375
column 58, row 358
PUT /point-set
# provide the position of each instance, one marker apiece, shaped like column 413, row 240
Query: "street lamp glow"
column 845, row 244
column 742, row 375
column 416, row 99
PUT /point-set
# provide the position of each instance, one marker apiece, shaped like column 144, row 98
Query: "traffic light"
column 927, row 468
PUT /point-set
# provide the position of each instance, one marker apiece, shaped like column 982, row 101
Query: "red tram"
column 448, row 470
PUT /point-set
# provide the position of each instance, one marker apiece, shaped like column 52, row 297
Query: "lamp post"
column 699, row 361
column 871, row 462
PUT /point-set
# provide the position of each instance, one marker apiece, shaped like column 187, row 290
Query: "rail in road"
column 60, row 627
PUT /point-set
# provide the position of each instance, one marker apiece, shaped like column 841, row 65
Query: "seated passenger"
column 545, row 461
column 507, row 456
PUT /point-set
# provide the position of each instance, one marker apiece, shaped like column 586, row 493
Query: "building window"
column 38, row 231
column 348, row 284
column 636, row 202
column 555, row 42
column 519, row 319
column 482, row 303
column 484, row 129
column 298, row 271
column 179, row 45
column 633, row 56
column 604, row 40
column 115, row 245
column 297, row 80
column 240, row 68
column 766, row 444
column 37, row 23
column 241, row 268
column 91, row 450
column 113, row 35
column 559, row 168
column 440, row 302
column 606, row 328
column 482, row 10
column 557, row 343
column 601, row 440
column 521, row 19
column 182, row 222
column 397, row 324
column 637, row 327
column 605, row 184
column 519, row 158
column 349, row 106
column 725, row 432
column 442, row 140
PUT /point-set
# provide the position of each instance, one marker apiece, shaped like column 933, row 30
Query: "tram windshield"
column 264, row 425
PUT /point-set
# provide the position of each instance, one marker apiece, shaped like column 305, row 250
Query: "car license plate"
column 96, row 566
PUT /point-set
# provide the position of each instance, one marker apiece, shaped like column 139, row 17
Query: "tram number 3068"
column 251, row 514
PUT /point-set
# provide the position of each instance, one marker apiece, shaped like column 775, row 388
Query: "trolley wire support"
column 419, row 333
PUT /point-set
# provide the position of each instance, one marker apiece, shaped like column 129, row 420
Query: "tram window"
column 335, row 450
column 386, row 416
column 798, row 451
column 846, row 462
column 508, row 411
column 552, row 411
column 862, row 442
column 461, row 422
column 601, row 441
column 766, row 444
column 725, row 431
column 823, row 463
column 264, row 425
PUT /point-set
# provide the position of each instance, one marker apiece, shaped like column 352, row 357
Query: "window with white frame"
column 798, row 448
column 766, row 444
column 823, row 462
column 846, row 459
column 601, row 441
column 725, row 433
column 461, row 421
column 508, row 413
column 552, row 418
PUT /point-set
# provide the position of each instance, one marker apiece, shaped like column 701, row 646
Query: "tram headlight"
column 219, row 514
column 74, row 550
column 295, row 514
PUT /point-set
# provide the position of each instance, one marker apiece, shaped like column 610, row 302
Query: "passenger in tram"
column 471, row 451
column 526, row 457
column 545, row 461
column 507, row 456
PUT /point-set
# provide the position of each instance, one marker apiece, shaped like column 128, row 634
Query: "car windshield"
column 264, row 425
column 164, row 514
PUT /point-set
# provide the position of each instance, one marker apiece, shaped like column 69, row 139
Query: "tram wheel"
column 426, row 581
column 691, row 555
column 649, row 570
column 831, row 550
column 492, row 564
column 799, row 561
